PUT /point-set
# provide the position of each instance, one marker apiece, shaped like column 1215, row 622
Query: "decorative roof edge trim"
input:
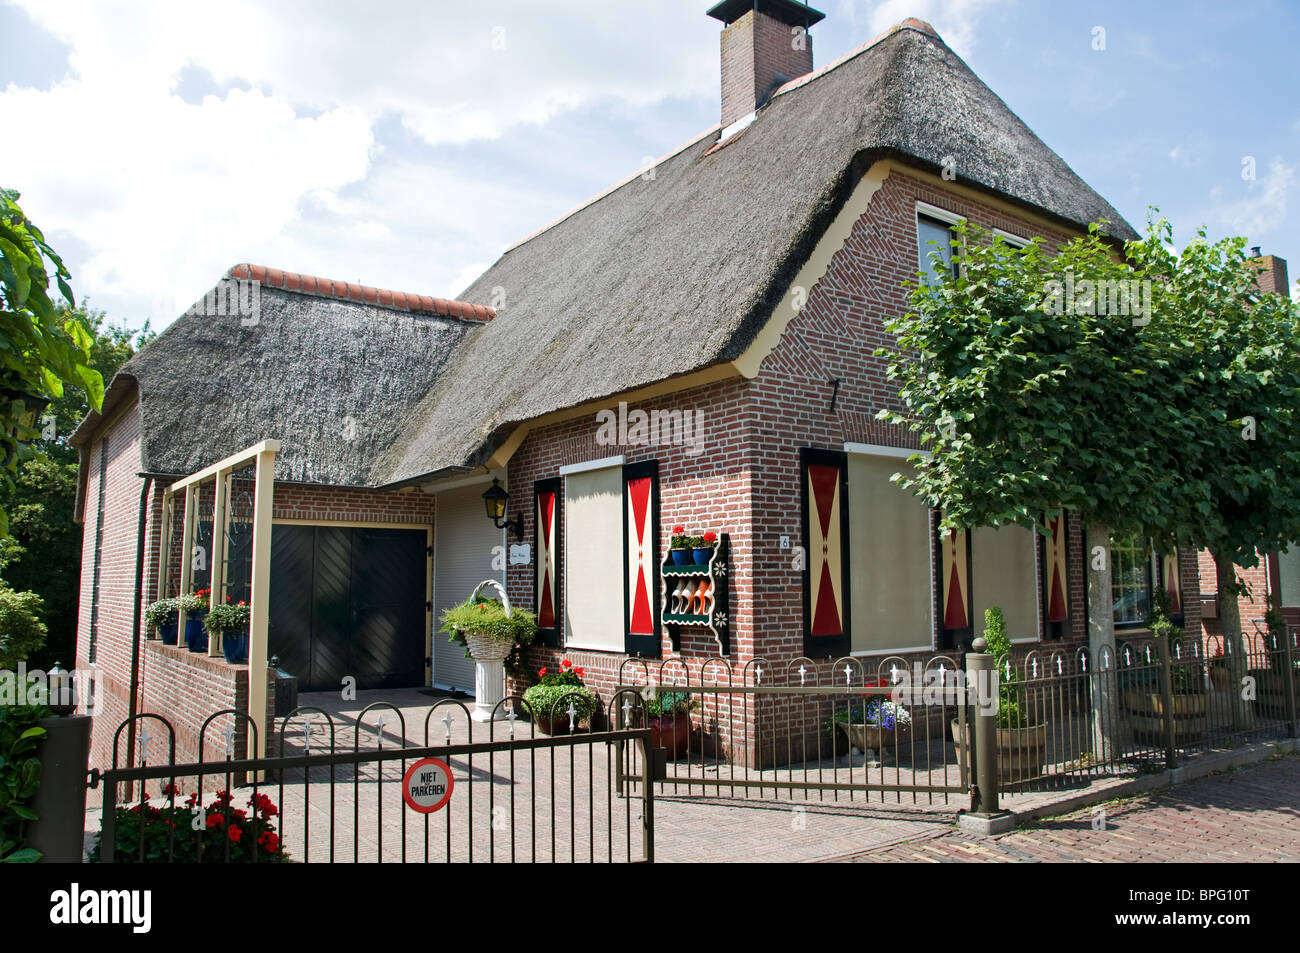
column 361, row 294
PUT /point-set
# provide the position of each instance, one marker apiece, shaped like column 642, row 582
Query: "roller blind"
column 593, row 559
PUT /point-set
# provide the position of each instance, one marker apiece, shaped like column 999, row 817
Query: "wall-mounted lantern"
column 495, row 500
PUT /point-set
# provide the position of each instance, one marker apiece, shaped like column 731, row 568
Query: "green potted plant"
column 680, row 547
column 161, row 617
column 556, row 691
column 1021, row 746
column 491, row 630
column 229, row 623
column 195, row 606
column 874, row 726
column 669, row 714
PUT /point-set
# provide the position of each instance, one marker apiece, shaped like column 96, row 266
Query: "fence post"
column 647, row 803
column 1292, row 685
column 1167, row 700
column 60, row 802
column 981, row 672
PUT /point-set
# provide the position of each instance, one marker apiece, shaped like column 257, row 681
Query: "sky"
column 407, row 144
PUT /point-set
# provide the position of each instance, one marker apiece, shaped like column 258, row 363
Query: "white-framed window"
column 934, row 236
column 1131, row 580
column 1015, row 241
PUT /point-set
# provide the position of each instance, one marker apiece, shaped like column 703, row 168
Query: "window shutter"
column 641, row 558
column 825, row 510
column 546, row 544
column 954, row 581
column 1056, row 579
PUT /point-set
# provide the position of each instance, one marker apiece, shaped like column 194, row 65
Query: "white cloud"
column 957, row 21
column 1265, row 206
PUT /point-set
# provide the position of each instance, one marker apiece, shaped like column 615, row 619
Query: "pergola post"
column 220, row 497
column 187, row 556
column 259, row 597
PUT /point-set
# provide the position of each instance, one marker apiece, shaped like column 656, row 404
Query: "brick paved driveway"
column 1245, row 816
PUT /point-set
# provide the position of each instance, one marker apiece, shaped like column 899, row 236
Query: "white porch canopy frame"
column 262, row 458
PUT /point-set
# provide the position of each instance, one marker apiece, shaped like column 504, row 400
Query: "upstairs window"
column 934, row 246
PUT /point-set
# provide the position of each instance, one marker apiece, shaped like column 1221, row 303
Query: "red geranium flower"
column 578, row 671
column 269, row 841
column 215, row 820
column 234, row 833
column 678, row 530
column 566, row 664
column 541, row 671
column 709, row 537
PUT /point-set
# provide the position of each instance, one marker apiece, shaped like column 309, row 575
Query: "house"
column 694, row 346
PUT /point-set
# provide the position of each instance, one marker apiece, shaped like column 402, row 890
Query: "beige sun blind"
column 889, row 558
column 593, row 559
column 1003, row 574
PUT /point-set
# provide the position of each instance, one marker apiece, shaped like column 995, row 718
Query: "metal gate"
column 515, row 795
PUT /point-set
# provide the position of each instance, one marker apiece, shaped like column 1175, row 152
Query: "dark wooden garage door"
column 348, row 602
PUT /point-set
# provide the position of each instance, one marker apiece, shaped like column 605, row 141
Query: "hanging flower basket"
column 489, row 628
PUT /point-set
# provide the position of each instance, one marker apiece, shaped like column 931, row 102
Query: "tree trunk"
column 1243, row 715
column 1101, row 640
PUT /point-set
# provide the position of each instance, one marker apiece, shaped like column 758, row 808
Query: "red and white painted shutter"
column 954, row 565
column 546, row 546
column 641, row 562
column 826, row 546
column 1055, row 577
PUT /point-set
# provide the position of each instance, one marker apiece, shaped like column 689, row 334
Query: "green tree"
column 1237, row 382
column 1035, row 395
column 41, row 347
column 43, row 552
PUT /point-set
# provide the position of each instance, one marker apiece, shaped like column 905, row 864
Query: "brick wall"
column 754, row 49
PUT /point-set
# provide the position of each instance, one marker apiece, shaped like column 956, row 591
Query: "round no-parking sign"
column 426, row 786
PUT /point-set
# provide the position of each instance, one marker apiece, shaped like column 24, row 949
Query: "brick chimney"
column 765, row 44
column 1272, row 274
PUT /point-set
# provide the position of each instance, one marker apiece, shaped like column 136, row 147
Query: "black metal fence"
column 802, row 729
column 515, row 794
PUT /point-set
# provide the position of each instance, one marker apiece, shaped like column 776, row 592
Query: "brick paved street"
column 1246, row 816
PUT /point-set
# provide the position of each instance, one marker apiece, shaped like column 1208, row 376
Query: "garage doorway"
column 350, row 601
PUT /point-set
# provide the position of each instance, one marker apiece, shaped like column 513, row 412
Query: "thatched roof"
column 662, row 275
column 332, row 379
column 667, row 275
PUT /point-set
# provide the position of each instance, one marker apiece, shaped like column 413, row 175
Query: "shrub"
column 999, row 645
column 21, row 630
column 196, row 834
column 669, row 704
column 20, row 776
column 556, row 683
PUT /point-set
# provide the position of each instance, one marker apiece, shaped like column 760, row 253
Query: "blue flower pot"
column 234, row 646
column 681, row 557
column 168, row 632
column 702, row 556
column 196, row 637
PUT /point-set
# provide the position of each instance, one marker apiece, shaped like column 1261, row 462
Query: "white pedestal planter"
column 489, row 676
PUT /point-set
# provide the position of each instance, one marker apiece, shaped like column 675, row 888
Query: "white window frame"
column 1016, row 241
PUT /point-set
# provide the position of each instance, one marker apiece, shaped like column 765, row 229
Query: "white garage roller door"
column 463, row 539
